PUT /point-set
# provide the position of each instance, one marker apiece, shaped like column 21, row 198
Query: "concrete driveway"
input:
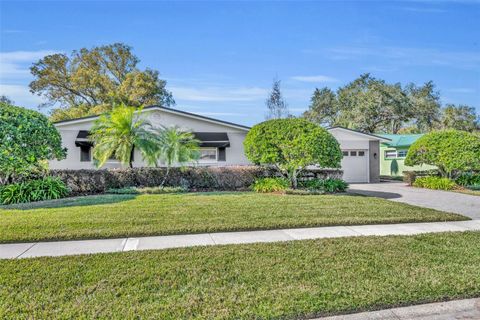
column 463, row 204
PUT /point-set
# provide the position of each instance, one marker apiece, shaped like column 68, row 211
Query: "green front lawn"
column 126, row 215
column 275, row 280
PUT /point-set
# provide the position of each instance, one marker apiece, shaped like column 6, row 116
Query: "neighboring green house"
column 393, row 153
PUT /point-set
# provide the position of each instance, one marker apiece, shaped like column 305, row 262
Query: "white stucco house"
column 221, row 143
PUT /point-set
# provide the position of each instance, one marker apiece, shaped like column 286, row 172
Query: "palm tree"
column 176, row 146
column 117, row 133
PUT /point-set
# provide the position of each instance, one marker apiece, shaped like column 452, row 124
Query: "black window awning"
column 207, row 139
column 213, row 139
column 82, row 139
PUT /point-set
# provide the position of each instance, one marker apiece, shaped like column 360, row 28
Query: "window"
column 361, row 153
column 402, row 153
column 390, row 154
column 345, row 153
column 85, row 155
column 208, row 155
column 353, row 153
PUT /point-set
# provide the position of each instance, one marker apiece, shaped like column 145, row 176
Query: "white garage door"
column 355, row 165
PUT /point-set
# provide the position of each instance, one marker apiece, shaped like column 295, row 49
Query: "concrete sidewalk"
column 62, row 248
column 457, row 309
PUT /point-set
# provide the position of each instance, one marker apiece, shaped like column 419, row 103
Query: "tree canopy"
column 373, row 105
column 460, row 118
column 91, row 81
column 27, row 138
column 291, row 145
column 452, row 151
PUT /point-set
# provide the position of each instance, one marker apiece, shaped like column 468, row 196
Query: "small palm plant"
column 117, row 133
column 176, row 147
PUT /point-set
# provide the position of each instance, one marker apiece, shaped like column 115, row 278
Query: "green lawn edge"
column 118, row 216
column 296, row 279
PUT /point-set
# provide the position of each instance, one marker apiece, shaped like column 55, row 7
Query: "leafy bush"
column 451, row 151
column 27, row 140
column 147, row 190
column 468, row 179
column 291, row 145
column 34, row 190
column 410, row 176
column 270, row 185
column 327, row 185
column 334, row 185
column 436, row 183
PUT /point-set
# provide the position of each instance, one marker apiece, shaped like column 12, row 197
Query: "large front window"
column 208, row 155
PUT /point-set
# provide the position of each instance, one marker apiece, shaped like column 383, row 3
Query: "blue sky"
column 219, row 58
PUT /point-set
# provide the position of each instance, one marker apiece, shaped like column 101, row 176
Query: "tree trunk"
column 165, row 177
column 130, row 162
column 293, row 179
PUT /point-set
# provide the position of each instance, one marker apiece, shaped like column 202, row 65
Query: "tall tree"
column 460, row 118
column 426, row 106
column 276, row 104
column 91, row 81
column 323, row 108
column 371, row 105
column 117, row 133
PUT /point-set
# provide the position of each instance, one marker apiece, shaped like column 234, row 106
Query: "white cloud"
column 16, row 64
column 315, row 79
column 408, row 56
column 20, row 95
column 210, row 94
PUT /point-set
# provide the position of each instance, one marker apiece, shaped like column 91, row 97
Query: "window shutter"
column 222, row 154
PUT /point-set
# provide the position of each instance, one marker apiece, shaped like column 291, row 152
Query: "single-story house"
column 221, row 143
column 394, row 152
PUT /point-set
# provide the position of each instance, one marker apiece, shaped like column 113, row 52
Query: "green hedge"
column 82, row 182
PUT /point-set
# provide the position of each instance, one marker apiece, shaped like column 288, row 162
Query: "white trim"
column 74, row 121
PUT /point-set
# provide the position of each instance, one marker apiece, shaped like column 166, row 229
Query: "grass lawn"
column 291, row 279
column 127, row 215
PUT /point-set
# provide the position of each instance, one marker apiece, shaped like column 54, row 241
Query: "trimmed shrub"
column 83, row 182
column 27, row 140
column 291, row 145
column 146, row 190
column 264, row 185
column 468, row 179
column 34, row 190
column 326, row 185
column 436, row 183
column 451, row 151
column 410, row 176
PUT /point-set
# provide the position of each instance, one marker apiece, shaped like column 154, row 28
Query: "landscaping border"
column 232, row 178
